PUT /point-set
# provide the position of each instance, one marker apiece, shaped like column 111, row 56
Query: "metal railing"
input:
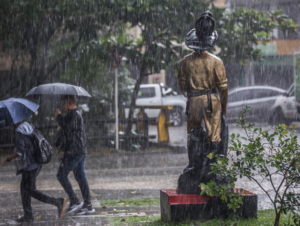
column 142, row 124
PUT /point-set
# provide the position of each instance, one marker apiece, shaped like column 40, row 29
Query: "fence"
column 142, row 124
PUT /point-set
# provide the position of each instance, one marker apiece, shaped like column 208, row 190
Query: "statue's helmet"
column 203, row 36
column 205, row 25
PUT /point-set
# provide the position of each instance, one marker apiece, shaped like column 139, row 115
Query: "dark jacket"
column 25, row 148
column 73, row 128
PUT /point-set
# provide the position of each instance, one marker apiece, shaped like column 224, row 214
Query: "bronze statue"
column 202, row 79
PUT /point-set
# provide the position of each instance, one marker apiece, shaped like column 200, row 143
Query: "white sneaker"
column 85, row 210
column 73, row 208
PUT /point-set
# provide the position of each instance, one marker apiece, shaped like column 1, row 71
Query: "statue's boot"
column 189, row 181
column 193, row 148
column 214, row 147
column 191, row 155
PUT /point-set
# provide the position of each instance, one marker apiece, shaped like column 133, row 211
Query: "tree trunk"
column 43, row 70
column 277, row 219
column 11, row 74
column 249, row 69
column 134, row 95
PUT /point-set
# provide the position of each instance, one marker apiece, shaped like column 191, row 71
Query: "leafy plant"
column 270, row 154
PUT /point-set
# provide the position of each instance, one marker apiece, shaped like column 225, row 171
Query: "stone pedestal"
column 176, row 207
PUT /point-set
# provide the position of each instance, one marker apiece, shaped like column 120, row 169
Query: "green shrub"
column 271, row 154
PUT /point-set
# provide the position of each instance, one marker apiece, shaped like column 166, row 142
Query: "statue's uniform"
column 204, row 72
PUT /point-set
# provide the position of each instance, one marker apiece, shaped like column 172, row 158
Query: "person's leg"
column 65, row 167
column 27, row 181
column 31, row 191
column 79, row 174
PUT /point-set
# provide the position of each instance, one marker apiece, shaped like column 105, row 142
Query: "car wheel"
column 278, row 117
column 175, row 115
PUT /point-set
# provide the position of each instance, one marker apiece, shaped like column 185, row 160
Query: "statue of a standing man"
column 201, row 75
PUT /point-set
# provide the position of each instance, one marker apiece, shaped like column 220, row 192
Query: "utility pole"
column 115, row 61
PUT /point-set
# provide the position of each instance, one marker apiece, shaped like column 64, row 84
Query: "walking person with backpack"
column 29, row 166
column 73, row 145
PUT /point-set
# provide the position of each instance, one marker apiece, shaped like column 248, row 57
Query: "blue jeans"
column 74, row 163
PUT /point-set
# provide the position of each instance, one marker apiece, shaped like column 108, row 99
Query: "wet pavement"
column 47, row 214
column 112, row 176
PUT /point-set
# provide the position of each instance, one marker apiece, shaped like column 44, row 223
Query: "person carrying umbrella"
column 13, row 111
column 74, row 156
column 71, row 140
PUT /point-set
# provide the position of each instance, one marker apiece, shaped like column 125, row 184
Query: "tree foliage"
column 164, row 24
column 70, row 41
column 161, row 24
column 241, row 30
column 48, row 33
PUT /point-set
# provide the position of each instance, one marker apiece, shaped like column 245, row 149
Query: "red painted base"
column 175, row 198
column 175, row 206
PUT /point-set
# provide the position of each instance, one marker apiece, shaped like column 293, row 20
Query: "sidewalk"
column 127, row 176
column 111, row 176
column 47, row 214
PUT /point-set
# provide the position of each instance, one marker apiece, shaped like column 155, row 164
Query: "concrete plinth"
column 176, row 207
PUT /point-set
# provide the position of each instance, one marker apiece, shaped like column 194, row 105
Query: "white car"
column 288, row 107
column 265, row 102
column 159, row 95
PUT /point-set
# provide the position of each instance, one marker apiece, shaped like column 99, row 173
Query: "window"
column 262, row 93
column 146, row 92
column 241, row 96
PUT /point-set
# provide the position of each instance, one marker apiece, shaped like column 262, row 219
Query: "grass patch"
column 265, row 218
column 132, row 202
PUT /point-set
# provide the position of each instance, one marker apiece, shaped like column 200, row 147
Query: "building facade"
column 277, row 66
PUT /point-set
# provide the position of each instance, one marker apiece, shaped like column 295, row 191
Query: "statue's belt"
column 208, row 109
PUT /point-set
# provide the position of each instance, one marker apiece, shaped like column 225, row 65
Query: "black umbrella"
column 57, row 89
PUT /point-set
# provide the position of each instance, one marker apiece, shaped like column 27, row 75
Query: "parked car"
column 265, row 102
column 288, row 106
column 160, row 95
